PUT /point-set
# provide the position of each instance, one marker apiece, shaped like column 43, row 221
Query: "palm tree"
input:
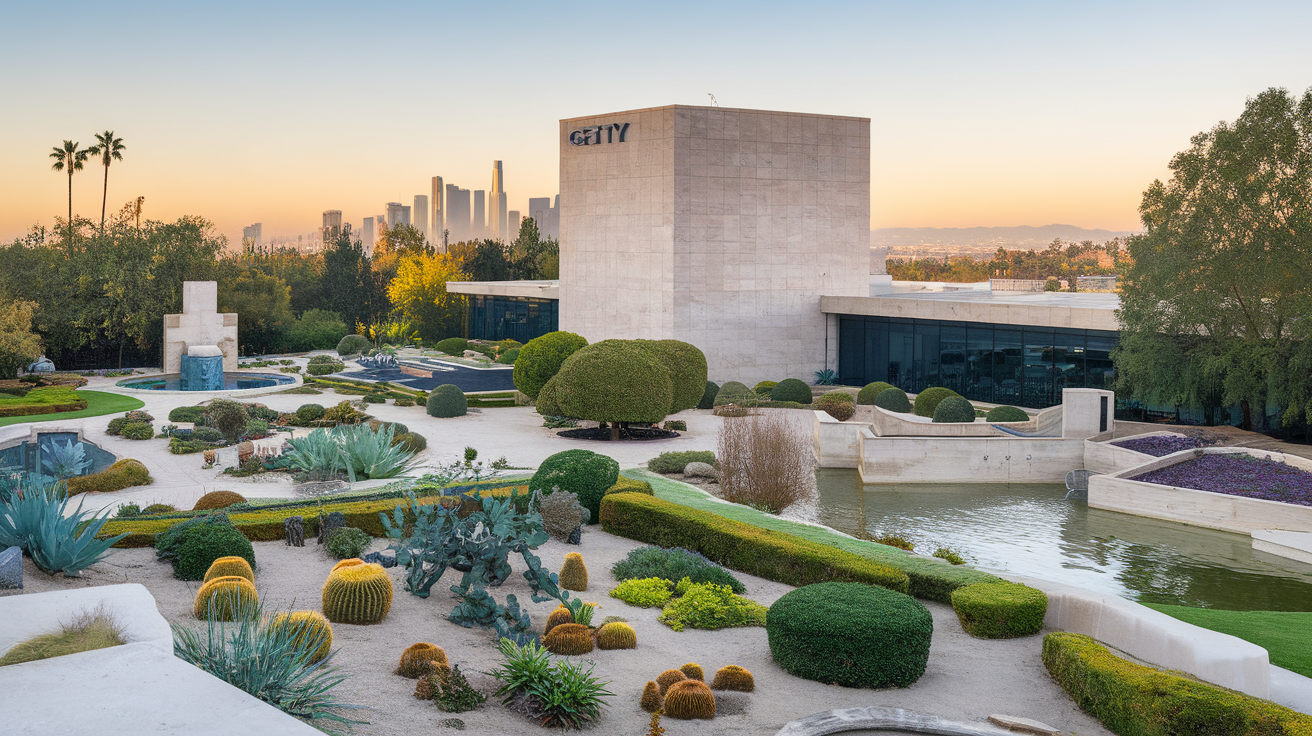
column 109, row 149
column 69, row 158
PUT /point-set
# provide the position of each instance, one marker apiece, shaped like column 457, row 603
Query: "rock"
column 335, row 520
column 576, row 536
column 378, row 558
column 294, row 530
column 11, row 568
column 1024, row 725
column 700, row 470
column 878, row 718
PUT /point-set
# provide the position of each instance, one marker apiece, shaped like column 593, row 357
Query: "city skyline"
column 980, row 116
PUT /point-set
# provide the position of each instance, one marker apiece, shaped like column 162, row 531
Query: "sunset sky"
column 981, row 114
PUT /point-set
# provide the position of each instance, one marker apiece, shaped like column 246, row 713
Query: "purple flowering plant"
column 1160, row 445
column 1238, row 475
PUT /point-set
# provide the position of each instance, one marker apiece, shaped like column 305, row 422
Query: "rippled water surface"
column 1033, row 530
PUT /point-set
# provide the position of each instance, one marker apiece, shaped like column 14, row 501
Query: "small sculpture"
column 294, row 527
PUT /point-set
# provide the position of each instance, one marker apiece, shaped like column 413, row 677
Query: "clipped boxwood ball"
column 928, row 400
column 866, row 396
column 447, row 400
column 894, row 399
column 540, row 359
column 614, row 381
column 708, row 396
column 582, row 472
column 954, row 410
column 732, row 392
column 353, row 344
column 687, row 367
column 1006, row 414
column 850, row 634
column 453, row 345
column 791, row 389
column 1000, row 610
column 202, row 544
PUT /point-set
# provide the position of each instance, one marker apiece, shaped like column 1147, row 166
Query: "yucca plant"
column 567, row 695
column 34, row 518
column 275, row 663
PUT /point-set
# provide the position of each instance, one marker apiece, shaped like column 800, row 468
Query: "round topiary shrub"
column 447, row 400
column 229, row 418
column 866, row 396
column 202, row 544
column 791, row 389
column 509, row 357
column 850, row 634
column 928, row 400
column 541, row 359
column 894, row 399
column 708, row 396
column 453, row 345
column 582, row 472
column 307, row 413
column 842, row 411
column 614, row 381
column 357, row 594
column 353, row 345
column 954, row 410
column 1000, row 610
column 687, row 367
column 763, row 388
column 1006, row 414
column 412, row 442
column 546, row 402
column 733, row 392
column 218, row 500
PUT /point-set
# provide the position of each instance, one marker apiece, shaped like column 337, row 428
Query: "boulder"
column 11, row 568
column 700, row 470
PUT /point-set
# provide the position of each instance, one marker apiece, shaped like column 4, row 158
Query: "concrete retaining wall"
column 967, row 459
column 1102, row 457
column 887, row 423
column 837, row 443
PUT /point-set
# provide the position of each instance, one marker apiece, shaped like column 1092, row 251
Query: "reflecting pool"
column 1034, row 530
column 231, row 381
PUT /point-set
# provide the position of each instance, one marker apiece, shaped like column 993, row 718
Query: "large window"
column 517, row 318
column 1002, row 364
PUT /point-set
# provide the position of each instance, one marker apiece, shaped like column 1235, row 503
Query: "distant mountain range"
column 1023, row 237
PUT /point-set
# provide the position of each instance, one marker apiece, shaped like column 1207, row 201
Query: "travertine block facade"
column 717, row 226
column 200, row 324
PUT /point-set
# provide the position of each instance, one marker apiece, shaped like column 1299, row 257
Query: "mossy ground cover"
column 1284, row 634
column 99, row 403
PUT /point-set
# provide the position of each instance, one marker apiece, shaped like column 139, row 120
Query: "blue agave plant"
column 826, row 377
column 65, row 460
column 34, row 518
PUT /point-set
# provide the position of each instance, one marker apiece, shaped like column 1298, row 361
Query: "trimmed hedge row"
column 630, row 485
column 743, row 547
column 1132, row 699
column 48, row 400
column 1001, row 610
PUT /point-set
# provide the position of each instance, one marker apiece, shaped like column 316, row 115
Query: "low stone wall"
column 967, row 459
column 887, row 423
column 837, row 444
column 1102, row 457
column 1117, row 492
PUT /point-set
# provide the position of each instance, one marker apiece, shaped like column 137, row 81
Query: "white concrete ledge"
column 1291, row 545
column 33, row 614
column 1103, row 457
column 1002, row 459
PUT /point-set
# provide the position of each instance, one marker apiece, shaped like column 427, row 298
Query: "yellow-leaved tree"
column 418, row 292
column 19, row 346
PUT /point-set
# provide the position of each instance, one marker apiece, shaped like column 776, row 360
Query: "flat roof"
column 714, row 107
column 1090, row 311
column 523, row 289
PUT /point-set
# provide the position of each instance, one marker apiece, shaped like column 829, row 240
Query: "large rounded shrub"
column 353, row 345
column 218, row 500
column 508, row 357
column 453, row 345
column 763, row 388
column 613, row 381
column 708, row 396
column 541, row 359
column 928, row 400
column 850, row 634
column 791, row 389
column 546, row 403
column 200, row 545
column 687, row 366
column 447, row 400
column 1006, row 414
column 582, row 472
column 229, row 418
column 733, row 392
column 866, row 396
column 307, row 413
column 893, row 399
column 1000, row 610
column 954, row 410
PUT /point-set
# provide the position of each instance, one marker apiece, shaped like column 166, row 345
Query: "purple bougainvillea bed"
column 1159, row 445
column 1238, row 475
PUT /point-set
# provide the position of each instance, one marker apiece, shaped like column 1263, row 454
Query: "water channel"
column 1034, row 530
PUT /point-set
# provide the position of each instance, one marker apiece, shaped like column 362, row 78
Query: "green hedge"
column 46, row 400
column 850, row 634
column 866, row 396
column 1006, row 414
column 928, row 400
column 893, row 399
column 1132, row 699
column 708, row 396
column 743, row 547
column 1000, row 610
column 675, row 462
column 630, row 485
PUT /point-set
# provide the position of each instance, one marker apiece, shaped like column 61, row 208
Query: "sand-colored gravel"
column 967, row 678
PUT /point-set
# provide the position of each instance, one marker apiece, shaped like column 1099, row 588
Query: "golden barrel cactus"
column 420, row 659
column 312, row 632
column 568, row 639
column 651, row 697
column 348, row 562
column 733, row 677
column 224, row 597
column 561, row 615
column 617, row 635
column 359, row 594
column 228, row 566
column 669, row 677
column 693, row 671
column 689, row 699
column 574, row 574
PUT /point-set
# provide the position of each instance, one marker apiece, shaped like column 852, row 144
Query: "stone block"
column 11, row 568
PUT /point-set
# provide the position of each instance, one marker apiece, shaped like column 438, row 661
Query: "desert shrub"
column 791, row 389
column 453, row 345
column 562, row 514
column 643, row 592
column 307, row 413
column 229, row 418
column 342, row 413
column 187, row 414
column 581, row 472
column 347, row 542
column 733, row 392
column 206, row 434
column 1000, row 610
column 193, row 546
column 630, row 485
column 763, row 388
column 566, row 694
column 1006, row 414
column 837, row 405
column 256, row 428
column 122, row 474
column 116, row 426
column 615, row 381
column 708, row 396
column 894, row 399
column 89, row 629
column 323, row 359
column 675, row 462
column 375, row 398
column 866, row 396
column 218, row 500
column 157, row 508
column 353, row 345
column 954, row 410
column 541, row 358
column 673, row 565
column 766, row 460
column 414, row 443
column 850, row 634
column 127, row 511
column 508, row 357
column 710, row 606
column 447, row 400
column 928, row 400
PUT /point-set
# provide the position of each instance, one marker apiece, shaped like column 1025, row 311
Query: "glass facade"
column 1000, row 364
column 517, row 318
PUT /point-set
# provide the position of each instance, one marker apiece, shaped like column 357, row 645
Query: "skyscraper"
column 395, row 214
column 547, row 216
column 332, row 223
column 420, row 214
column 439, row 213
column 457, row 213
column 496, row 221
column 253, row 233
column 480, row 215
column 512, row 225
column 367, row 236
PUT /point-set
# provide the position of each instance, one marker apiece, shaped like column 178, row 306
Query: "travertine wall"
column 717, row 226
column 200, row 323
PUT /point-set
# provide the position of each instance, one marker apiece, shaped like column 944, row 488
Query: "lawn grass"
column 99, row 403
column 1283, row 634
